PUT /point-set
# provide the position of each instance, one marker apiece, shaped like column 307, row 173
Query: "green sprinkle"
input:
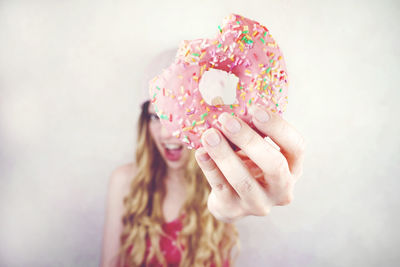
column 265, row 87
column 238, row 22
column 245, row 32
column 195, row 54
column 231, row 106
column 244, row 37
column 158, row 88
column 154, row 96
column 249, row 41
column 164, row 117
column 249, row 101
column 220, row 30
column 265, row 34
column 277, row 104
column 262, row 40
column 233, row 114
column 219, row 45
column 203, row 115
column 280, row 90
column 268, row 70
column 194, row 123
column 271, row 61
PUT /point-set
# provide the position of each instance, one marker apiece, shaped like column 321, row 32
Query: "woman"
column 188, row 209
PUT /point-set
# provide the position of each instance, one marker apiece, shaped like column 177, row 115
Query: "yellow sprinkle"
column 226, row 47
column 254, row 33
column 280, row 57
column 208, row 109
column 215, row 42
column 172, row 96
column 232, row 58
column 202, row 69
column 194, row 60
column 214, row 116
column 200, row 122
column 202, row 55
column 261, row 65
column 187, row 128
column 274, row 100
column 247, row 71
column 195, row 78
column 202, row 101
column 241, row 48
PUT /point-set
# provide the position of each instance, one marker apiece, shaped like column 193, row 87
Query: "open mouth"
column 173, row 151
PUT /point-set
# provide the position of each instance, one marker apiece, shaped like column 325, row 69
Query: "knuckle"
column 266, row 210
column 244, row 186
column 211, row 203
column 286, row 199
column 301, row 146
column 282, row 167
column 248, row 137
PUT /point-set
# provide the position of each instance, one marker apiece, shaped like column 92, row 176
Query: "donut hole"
column 218, row 87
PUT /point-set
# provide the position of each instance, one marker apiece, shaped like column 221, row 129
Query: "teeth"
column 172, row 146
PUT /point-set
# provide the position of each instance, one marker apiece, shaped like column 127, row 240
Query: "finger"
column 227, row 211
column 219, row 185
column 270, row 160
column 290, row 141
column 233, row 168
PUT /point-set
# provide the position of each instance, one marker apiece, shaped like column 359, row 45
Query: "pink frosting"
column 242, row 47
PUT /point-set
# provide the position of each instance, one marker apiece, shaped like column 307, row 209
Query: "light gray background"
column 70, row 72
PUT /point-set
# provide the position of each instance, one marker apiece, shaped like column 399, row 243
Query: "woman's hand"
column 259, row 176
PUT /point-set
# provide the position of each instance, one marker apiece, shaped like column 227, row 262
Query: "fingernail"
column 229, row 122
column 202, row 154
column 212, row 138
column 260, row 115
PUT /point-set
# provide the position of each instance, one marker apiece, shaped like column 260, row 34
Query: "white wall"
column 70, row 72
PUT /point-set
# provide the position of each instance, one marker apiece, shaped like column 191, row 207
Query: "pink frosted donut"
column 244, row 48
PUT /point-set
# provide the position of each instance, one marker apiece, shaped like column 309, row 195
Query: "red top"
column 168, row 246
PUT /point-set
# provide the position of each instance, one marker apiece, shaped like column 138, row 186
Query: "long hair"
column 205, row 240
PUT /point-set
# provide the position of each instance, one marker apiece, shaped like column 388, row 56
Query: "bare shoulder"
column 118, row 188
column 122, row 176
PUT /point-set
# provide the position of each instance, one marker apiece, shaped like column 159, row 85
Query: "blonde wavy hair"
column 206, row 240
